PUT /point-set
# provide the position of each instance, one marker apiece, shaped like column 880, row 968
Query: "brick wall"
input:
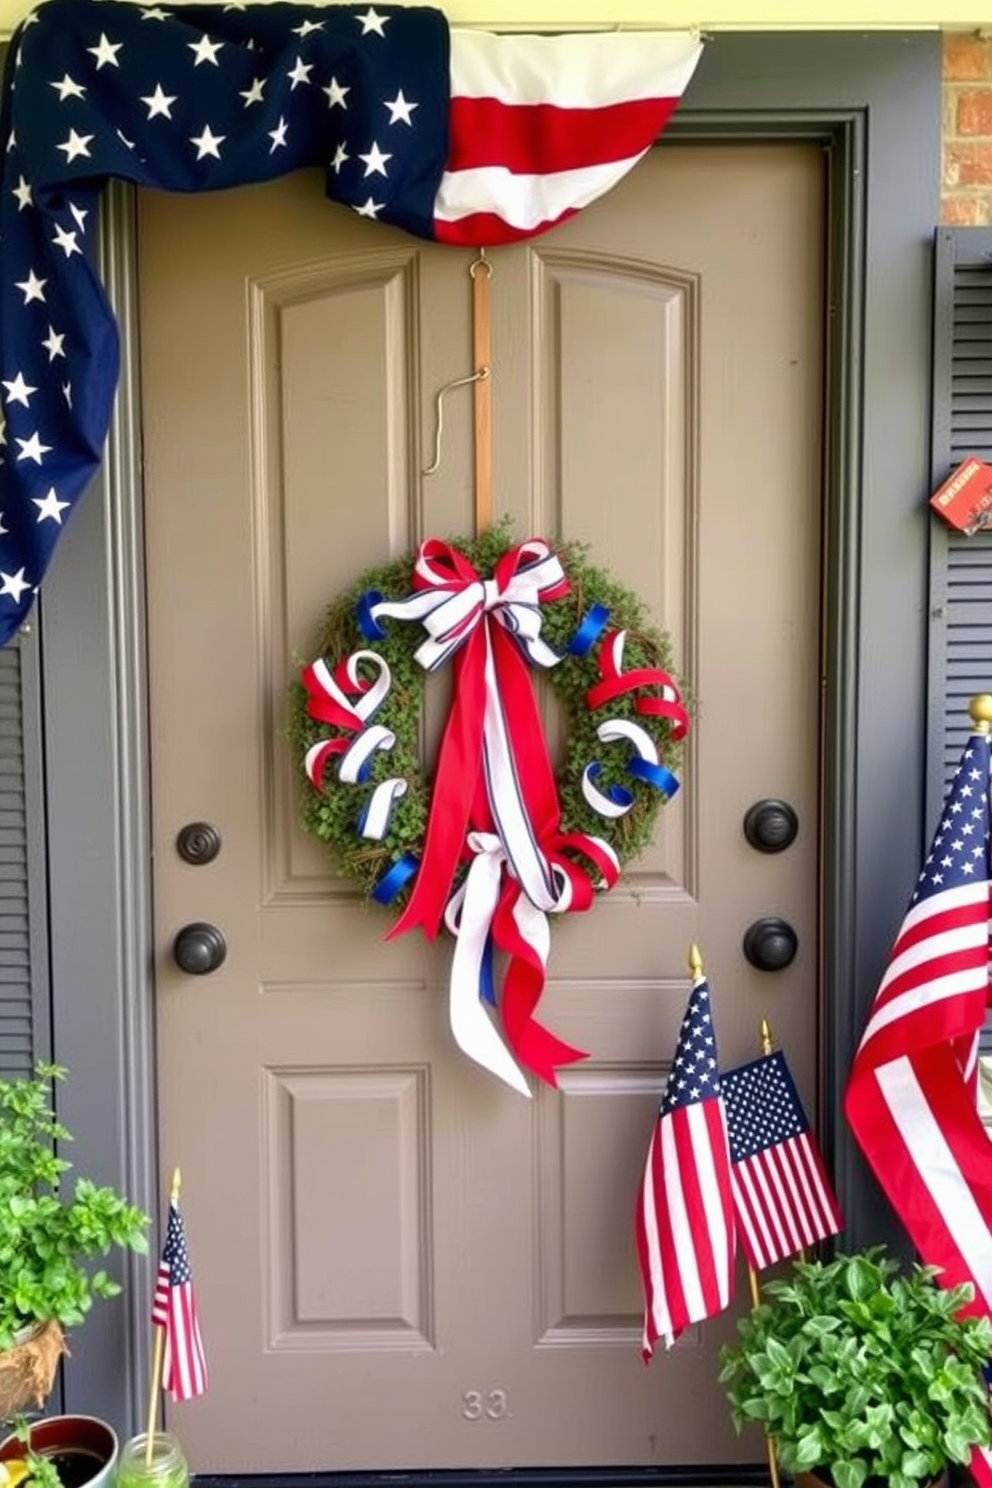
column 967, row 130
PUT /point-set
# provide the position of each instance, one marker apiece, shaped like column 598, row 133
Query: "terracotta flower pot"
column 28, row 1369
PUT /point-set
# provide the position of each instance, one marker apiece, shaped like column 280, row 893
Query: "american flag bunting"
column 783, row 1200
column 174, row 1309
column 684, row 1222
column 911, row 1097
column 459, row 137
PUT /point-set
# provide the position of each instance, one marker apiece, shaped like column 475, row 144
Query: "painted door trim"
column 873, row 102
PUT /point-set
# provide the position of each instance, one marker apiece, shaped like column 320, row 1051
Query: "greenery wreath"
column 331, row 813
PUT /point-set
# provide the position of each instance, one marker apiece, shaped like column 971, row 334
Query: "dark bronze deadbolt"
column 198, row 843
column 771, row 826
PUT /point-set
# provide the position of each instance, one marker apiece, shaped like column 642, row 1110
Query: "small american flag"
column 685, row 1225
column 911, row 1099
column 461, row 137
column 782, row 1196
column 184, row 1369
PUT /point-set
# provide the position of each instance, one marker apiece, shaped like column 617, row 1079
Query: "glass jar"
column 168, row 1467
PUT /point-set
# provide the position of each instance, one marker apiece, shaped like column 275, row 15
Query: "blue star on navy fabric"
column 959, row 852
column 198, row 98
column 695, row 1072
column 763, row 1106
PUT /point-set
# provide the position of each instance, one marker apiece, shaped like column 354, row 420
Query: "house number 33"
column 485, row 1405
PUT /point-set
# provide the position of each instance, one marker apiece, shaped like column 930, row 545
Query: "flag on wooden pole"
column 184, row 1368
column 783, row 1200
column 911, row 1094
column 685, row 1225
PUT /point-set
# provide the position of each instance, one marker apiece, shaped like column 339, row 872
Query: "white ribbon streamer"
column 506, row 801
column 469, row 916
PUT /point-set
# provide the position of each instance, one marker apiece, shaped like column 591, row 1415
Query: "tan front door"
column 401, row 1263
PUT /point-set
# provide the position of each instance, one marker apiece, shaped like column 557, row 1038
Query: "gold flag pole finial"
column 766, row 1037
column 695, row 962
column 980, row 709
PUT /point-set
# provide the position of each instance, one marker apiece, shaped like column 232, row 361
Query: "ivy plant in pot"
column 53, row 1232
column 862, row 1371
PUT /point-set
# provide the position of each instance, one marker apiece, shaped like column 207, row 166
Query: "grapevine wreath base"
column 497, row 841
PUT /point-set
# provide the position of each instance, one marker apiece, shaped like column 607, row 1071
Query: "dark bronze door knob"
column 770, row 944
column 771, row 826
column 199, row 949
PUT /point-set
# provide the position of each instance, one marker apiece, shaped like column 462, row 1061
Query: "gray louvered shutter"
column 24, row 1017
column 960, row 649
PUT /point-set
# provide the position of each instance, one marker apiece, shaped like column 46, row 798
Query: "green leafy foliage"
column 858, row 1366
column 332, row 815
column 43, row 1471
column 49, row 1231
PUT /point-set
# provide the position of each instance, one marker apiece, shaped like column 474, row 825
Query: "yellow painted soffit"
column 706, row 15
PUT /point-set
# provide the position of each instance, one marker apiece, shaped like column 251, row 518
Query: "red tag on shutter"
column 965, row 498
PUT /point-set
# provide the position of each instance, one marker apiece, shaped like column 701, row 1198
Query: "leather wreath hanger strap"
column 482, row 273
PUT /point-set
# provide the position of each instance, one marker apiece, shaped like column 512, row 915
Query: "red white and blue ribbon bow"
column 493, row 730
column 494, row 776
column 495, row 862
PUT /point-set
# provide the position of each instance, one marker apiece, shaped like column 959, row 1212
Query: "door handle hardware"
column 198, row 843
column 770, row 944
column 771, row 825
column 199, row 949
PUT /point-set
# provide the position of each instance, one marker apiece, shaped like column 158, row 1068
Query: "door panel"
column 401, row 1264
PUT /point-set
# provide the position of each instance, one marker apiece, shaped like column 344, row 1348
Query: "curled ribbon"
column 347, row 700
column 645, row 765
column 651, row 681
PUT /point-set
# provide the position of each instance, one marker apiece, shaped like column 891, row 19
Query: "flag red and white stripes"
column 684, row 1223
column 782, row 1195
column 543, row 125
column 910, row 1099
column 184, row 1367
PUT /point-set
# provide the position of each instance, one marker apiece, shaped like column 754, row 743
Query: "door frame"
column 872, row 102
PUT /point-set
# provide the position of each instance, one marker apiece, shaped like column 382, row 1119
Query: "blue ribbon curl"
column 615, row 793
column 655, row 775
column 592, row 627
column 367, row 624
column 395, row 879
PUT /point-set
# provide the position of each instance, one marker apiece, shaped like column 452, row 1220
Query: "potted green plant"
column 52, row 1234
column 59, row 1452
column 862, row 1371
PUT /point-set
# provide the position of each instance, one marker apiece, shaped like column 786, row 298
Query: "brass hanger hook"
column 480, row 376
